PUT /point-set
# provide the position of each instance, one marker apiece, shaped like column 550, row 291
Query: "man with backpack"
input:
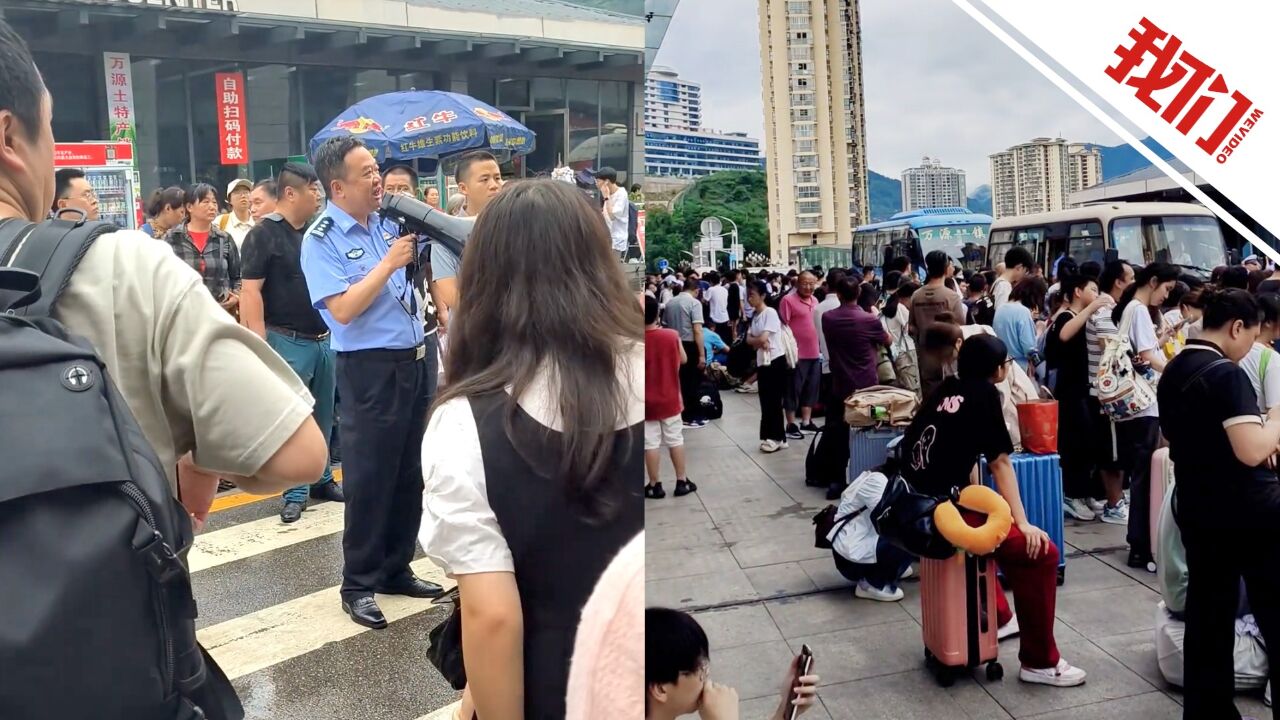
column 99, row 613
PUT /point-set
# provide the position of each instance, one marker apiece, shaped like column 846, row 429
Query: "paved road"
column 270, row 615
column 739, row 553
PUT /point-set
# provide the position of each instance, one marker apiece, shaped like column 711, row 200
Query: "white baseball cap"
column 248, row 185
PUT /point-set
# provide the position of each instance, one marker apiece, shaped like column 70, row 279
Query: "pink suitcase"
column 958, row 602
column 1161, row 481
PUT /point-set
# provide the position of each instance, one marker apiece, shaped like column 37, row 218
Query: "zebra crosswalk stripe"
column 262, row 536
column 273, row 635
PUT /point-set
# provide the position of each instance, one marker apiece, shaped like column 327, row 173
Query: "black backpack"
column 99, row 618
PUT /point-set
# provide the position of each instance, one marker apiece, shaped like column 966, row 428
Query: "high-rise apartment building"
column 1037, row 176
column 1085, row 169
column 811, row 65
column 930, row 185
column 671, row 103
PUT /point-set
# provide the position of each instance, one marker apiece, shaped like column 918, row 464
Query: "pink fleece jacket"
column 606, row 677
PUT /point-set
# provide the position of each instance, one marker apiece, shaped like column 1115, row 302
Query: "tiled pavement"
column 739, row 554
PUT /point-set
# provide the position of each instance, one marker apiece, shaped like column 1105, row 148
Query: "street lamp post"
column 735, row 250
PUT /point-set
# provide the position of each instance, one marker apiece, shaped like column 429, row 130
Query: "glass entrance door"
column 552, row 130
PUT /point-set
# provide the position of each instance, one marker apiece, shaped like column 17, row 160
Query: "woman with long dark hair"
column 532, row 458
column 765, row 335
column 896, row 318
column 1138, row 436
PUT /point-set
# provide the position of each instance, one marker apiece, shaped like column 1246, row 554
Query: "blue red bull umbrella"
column 428, row 124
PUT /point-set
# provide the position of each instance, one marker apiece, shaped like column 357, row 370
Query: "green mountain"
column 980, row 200
column 1122, row 159
column 886, row 196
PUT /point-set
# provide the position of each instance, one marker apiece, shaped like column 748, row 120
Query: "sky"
column 935, row 83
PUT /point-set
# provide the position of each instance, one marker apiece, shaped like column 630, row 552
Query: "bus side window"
column 1126, row 238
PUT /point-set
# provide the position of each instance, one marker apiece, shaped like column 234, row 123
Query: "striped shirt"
column 1096, row 329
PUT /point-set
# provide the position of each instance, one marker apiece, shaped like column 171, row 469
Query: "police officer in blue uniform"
column 354, row 263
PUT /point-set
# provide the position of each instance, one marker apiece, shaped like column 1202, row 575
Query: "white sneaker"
column 1064, row 675
column 1077, row 508
column 1096, row 505
column 909, row 572
column 867, row 591
column 1267, row 697
column 1008, row 630
column 784, row 444
column 1118, row 515
column 747, row 389
column 771, row 446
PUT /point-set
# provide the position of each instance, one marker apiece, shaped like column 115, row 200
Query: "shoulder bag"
column 1122, row 390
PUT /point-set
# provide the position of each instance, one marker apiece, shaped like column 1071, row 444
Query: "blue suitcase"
column 868, row 448
column 1040, row 484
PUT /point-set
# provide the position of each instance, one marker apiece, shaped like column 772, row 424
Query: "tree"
column 737, row 195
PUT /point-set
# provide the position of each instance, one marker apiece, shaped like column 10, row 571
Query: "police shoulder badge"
column 355, row 253
column 321, row 227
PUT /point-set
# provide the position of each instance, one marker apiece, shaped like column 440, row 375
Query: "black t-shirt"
column 960, row 421
column 1214, row 488
column 273, row 253
column 1069, row 358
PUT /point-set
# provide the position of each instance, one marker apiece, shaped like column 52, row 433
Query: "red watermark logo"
column 1173, row 67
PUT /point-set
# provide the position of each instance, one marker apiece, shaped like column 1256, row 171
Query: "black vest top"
column 558, row 555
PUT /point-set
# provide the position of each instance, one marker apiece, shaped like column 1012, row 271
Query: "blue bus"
column 916, row 233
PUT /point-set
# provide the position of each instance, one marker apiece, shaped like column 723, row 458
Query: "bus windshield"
column 1193, row 242
column 966, row 244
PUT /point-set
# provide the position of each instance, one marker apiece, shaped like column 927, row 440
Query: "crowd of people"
column 974, row 343
column 515, row 465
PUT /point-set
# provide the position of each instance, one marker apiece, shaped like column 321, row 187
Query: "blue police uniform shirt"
column 338, row 253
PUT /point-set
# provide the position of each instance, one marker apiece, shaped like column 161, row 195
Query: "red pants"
column 1035, row 594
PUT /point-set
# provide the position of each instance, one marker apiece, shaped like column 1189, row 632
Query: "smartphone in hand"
column 803, row 665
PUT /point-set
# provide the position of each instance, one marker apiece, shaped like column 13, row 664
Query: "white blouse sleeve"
column 459, row 531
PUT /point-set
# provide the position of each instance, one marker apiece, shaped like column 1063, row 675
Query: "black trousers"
column 835, row 442
column 1138, row 440
column 890, row 563
column 1216, row 561
column 772, row 379
column 384, row 415
column 690, row 381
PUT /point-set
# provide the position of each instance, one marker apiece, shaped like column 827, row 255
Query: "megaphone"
column 420, row 218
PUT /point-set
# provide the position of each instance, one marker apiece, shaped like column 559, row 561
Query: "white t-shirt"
column 830, row 302
column 858, row 541
column 1000, row 292
column 1266, row 388
column 459, row 530
column 616, row 210
column 1142, row 338
column 898, row 331
column 235, row 227
column 718, row 300
column 767, row 321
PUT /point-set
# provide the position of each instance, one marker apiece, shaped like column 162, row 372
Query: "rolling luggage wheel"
column 945, row 676
column 995, row 671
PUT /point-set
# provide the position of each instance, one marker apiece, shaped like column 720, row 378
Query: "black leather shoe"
column 413, row 587
column 365, row 611
column 291, row 512
column 330, row 491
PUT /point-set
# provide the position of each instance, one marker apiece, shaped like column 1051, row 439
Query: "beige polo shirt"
column 194, row 379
